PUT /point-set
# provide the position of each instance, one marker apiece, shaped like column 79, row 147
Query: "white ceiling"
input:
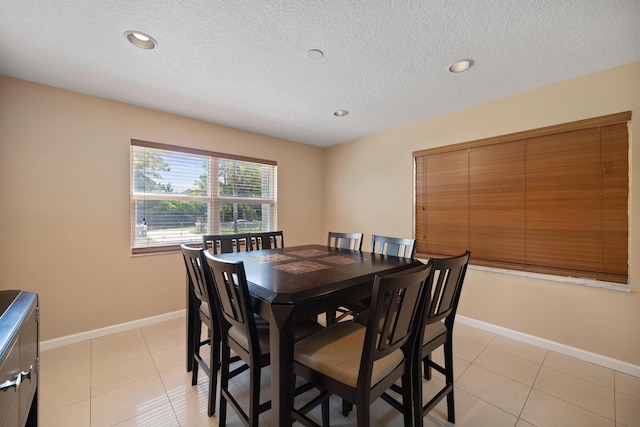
column 244, row 63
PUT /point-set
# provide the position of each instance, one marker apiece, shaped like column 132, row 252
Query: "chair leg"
column 224, row 383
column 211, row 386
column 322, row 398
column 416, row 391
column 330, row 316
column 192, row 318
column 407, row 402
column 325, row 413
column 346, row 407
column 216, row 348
column 362, row 410
column 254, row 395
column 448, row 365
column 426, row 366
column 195, row 355
column 214, row 367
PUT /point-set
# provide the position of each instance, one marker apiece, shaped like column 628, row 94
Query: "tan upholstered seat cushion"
column 238, row 335
column 303, row 329
column 432, row 331
column 204, row 310
column 336, row 352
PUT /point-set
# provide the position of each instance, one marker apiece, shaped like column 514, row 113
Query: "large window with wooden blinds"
column 550, row 200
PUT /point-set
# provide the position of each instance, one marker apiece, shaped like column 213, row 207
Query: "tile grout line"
column 571, row 403
column 531, row 388
column 582, row 378
column 480, row 398
column 576, row 406
column 517, row 357
column 164, row 387
column 587, row 381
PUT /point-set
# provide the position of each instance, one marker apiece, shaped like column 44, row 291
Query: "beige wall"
column 64, row 185
column 368, row 188
column 64, row 197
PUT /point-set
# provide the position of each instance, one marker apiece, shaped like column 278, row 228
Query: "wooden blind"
column 496, row 188
column 446, row 204
column 615, row 196
column 552, row 200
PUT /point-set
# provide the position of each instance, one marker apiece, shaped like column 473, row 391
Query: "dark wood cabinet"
column 19, row 358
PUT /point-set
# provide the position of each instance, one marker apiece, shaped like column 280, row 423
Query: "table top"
column 299, row 273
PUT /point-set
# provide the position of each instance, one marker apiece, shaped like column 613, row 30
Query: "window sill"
column 562, row 279
column 553, row 278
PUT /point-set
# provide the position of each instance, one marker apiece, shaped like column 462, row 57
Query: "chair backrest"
column 226, row 243
column 404, row 248
column 394, row 320
column 199, row 276
column 351, row 241
column 230, row 283
column 448, row 277
column 267, row 240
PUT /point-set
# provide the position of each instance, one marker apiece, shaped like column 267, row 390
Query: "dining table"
column 299, row 282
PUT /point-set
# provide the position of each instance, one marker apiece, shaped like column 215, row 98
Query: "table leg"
column 281, row 330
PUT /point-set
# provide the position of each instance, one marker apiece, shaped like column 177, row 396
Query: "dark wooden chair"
column 351, row 241
column 404, row 248
column 359, row 363
column 200, row 283
column 216, row 243
column 227, row 243
column 395, row 246
column 267, row 240
column 246, row 334
column 438, row 319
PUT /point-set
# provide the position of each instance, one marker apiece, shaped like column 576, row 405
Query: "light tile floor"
column 138, row 378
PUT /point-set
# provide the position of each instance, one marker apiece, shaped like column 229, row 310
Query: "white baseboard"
column 587, row 356
column 97, row 333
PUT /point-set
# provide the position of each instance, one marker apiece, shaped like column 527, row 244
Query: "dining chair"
column 359, row 363
column 217, row 243
column 351, row 241
column 401, row 247
column 267, row 240
column 438, row 321
column 247, row 334
column 227, row 243
column 199, row 280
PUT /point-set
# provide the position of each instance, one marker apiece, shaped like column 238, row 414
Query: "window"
column 551, row 200
column 178, row 194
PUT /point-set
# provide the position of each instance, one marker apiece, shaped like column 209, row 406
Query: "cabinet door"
column 28, row 362
column 9, row 411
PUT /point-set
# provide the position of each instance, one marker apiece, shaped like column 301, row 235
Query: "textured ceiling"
column 244, row 63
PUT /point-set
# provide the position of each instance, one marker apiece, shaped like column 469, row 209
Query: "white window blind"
column 178, row 194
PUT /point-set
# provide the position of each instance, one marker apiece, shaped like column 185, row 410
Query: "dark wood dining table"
column 300, row 282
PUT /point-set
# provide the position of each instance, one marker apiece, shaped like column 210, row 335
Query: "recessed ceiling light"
column 462, row 65
column 315, row 54
column 341, row 113
column 140, row 40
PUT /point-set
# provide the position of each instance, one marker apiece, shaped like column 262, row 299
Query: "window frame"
column 453, row 176
column 213, row 199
